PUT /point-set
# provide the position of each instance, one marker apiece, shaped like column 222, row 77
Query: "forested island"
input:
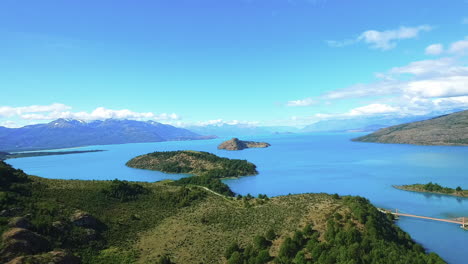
column 6, row 155
column 433, row 188
column 208, row 168
column 237, row 144
column 74, row 221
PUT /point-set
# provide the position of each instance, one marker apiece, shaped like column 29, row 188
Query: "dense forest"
column 73, row 221
column 193, row 162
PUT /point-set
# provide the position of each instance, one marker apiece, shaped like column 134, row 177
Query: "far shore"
column 412, row 188
column 16, row 155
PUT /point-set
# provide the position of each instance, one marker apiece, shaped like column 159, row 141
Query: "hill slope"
column 449, row 129
column 65, row 133
column 119, row 222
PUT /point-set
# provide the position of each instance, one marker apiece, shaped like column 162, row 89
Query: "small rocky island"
column 236, row 144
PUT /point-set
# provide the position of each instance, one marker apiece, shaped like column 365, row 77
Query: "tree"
column 165, row 260
column 459, row 189
column 235, row 258
column 260, row 242
column 263, row 257
column 233, row 247
column 270, row 234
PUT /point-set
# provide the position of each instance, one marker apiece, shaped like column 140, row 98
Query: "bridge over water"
column 462, row 221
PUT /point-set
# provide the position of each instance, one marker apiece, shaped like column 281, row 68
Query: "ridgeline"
column 451, row 130
column 72, row 221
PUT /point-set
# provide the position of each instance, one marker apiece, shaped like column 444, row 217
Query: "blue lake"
column 303, row 163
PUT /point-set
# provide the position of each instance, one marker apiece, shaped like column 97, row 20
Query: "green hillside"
column 444, row 130
column 52, row 221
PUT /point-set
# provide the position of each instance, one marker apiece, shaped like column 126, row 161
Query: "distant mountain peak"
column 63, row 133
column 66, row 122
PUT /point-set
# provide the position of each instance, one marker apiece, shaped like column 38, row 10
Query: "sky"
column 262, row 62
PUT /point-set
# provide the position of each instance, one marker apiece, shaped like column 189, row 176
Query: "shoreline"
column 18, row 155
column 410, row 188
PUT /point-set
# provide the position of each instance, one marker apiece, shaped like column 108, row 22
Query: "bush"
column 124, row 191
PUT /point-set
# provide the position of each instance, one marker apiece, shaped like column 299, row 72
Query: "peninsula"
column 7, row 155
column 449, row 130
column 433, row 188
column 236, row 144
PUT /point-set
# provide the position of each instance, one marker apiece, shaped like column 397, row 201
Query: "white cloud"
column 434, row 49
column 9, row 124
column 303, row 102
column 383, row 40
column 221, row 122
column 55, row 111
column 443, row 77
column 459, row 47
column 372, row 109
column 418, row 88
column 438, row 87
column 431, row 68
column 465, row 20
column 8, row 111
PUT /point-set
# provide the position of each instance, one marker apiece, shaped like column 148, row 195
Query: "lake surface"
column 303, row 163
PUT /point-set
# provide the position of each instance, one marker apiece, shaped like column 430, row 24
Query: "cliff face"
column 236, row 144
column 444, row 130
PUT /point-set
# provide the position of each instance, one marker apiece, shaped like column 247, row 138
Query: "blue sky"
column 274, row 62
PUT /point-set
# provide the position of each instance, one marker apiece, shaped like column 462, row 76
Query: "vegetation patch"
column 433, row 188
column 193, row 162
column 208, row 168
column 72, row 221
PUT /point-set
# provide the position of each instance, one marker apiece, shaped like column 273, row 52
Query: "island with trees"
column 75, row 221
column 208, row 169
column 237, row 144
column 433, row 188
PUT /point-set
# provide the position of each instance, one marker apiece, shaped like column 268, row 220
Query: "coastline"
column 411, row 188
column 18, row 155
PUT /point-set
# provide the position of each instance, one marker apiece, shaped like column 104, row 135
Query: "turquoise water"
column 328, row 163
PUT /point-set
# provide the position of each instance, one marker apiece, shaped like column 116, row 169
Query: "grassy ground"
column 201, row 233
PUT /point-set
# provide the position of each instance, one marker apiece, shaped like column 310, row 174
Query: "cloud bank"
column 418, row 88
column 35, row 113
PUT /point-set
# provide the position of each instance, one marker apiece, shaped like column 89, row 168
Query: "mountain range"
column 65, row 133
column 449, row 129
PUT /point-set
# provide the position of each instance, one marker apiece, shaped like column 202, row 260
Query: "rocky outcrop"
column 83, row 219
column 236, row 144
column 52, row 257
column 20, row 242
column 20, row 222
